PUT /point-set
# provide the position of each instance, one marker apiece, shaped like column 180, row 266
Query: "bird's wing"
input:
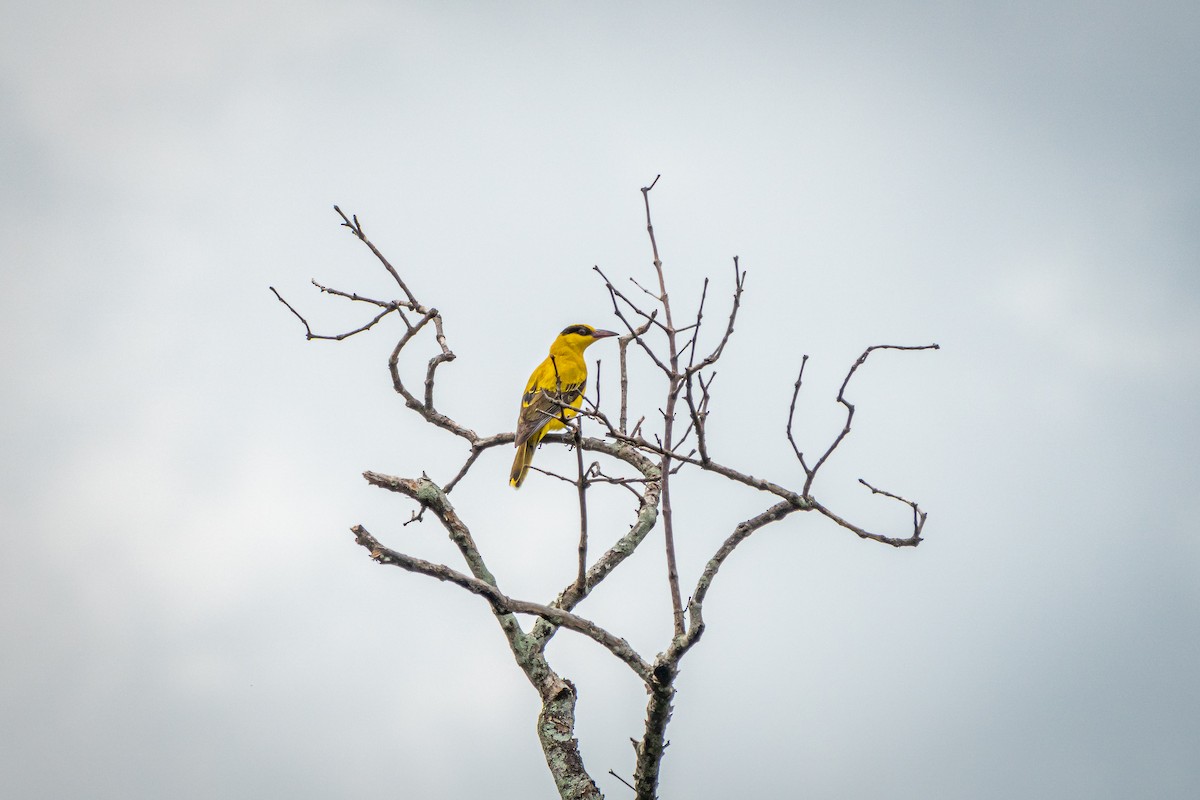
column 539, row 406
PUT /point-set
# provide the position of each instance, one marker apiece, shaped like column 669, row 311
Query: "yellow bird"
column 554, row 390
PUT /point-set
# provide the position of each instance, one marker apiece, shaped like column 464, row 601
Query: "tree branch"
column 715, row 467
column 477, row 448
column 487, row 588
column 647, row 516
column 674, row 381
column 739, row 535
column 919, row 517
column 357, row 230
column 792, row 414
column 582, row 485
column 739, row 283
column 623, row 345
column 308, row 331
column 841, row 398
column 649, row 751
column 615, row 293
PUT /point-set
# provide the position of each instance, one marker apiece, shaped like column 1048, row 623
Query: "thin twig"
column 841, row 398
column 582, row 483
column 308, row 331
column 622, row 780
column 622, row 346
column 477, row 448
column 739, row 281
column 792, row 414
column 691, row 344
column 356, row 297
column 919, row 516
column 437, row 360
column 614, row 294
column 674, row 381
column 358, row 231
column 649, row 293
column 894, row 541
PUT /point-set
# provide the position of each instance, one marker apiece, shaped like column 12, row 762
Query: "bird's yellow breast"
column 558, row 370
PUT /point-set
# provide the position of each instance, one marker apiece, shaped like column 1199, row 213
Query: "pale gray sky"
column 184, row 612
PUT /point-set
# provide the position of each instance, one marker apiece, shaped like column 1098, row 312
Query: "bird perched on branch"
column 554, row 391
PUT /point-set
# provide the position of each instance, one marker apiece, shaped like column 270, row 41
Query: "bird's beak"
column 603, row 334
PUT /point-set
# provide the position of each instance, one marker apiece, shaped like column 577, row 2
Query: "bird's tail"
column 521, row 463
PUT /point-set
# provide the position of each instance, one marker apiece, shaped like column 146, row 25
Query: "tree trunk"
column 556, row 731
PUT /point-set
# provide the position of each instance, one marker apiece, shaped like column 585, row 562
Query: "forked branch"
column 811, row 473
column 483, row 584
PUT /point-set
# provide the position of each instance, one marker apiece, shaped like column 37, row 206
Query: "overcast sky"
column 183, row 610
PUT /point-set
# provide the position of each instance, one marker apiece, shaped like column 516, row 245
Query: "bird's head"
column 578, row 337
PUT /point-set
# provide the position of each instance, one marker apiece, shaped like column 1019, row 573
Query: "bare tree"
column 651, row 459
